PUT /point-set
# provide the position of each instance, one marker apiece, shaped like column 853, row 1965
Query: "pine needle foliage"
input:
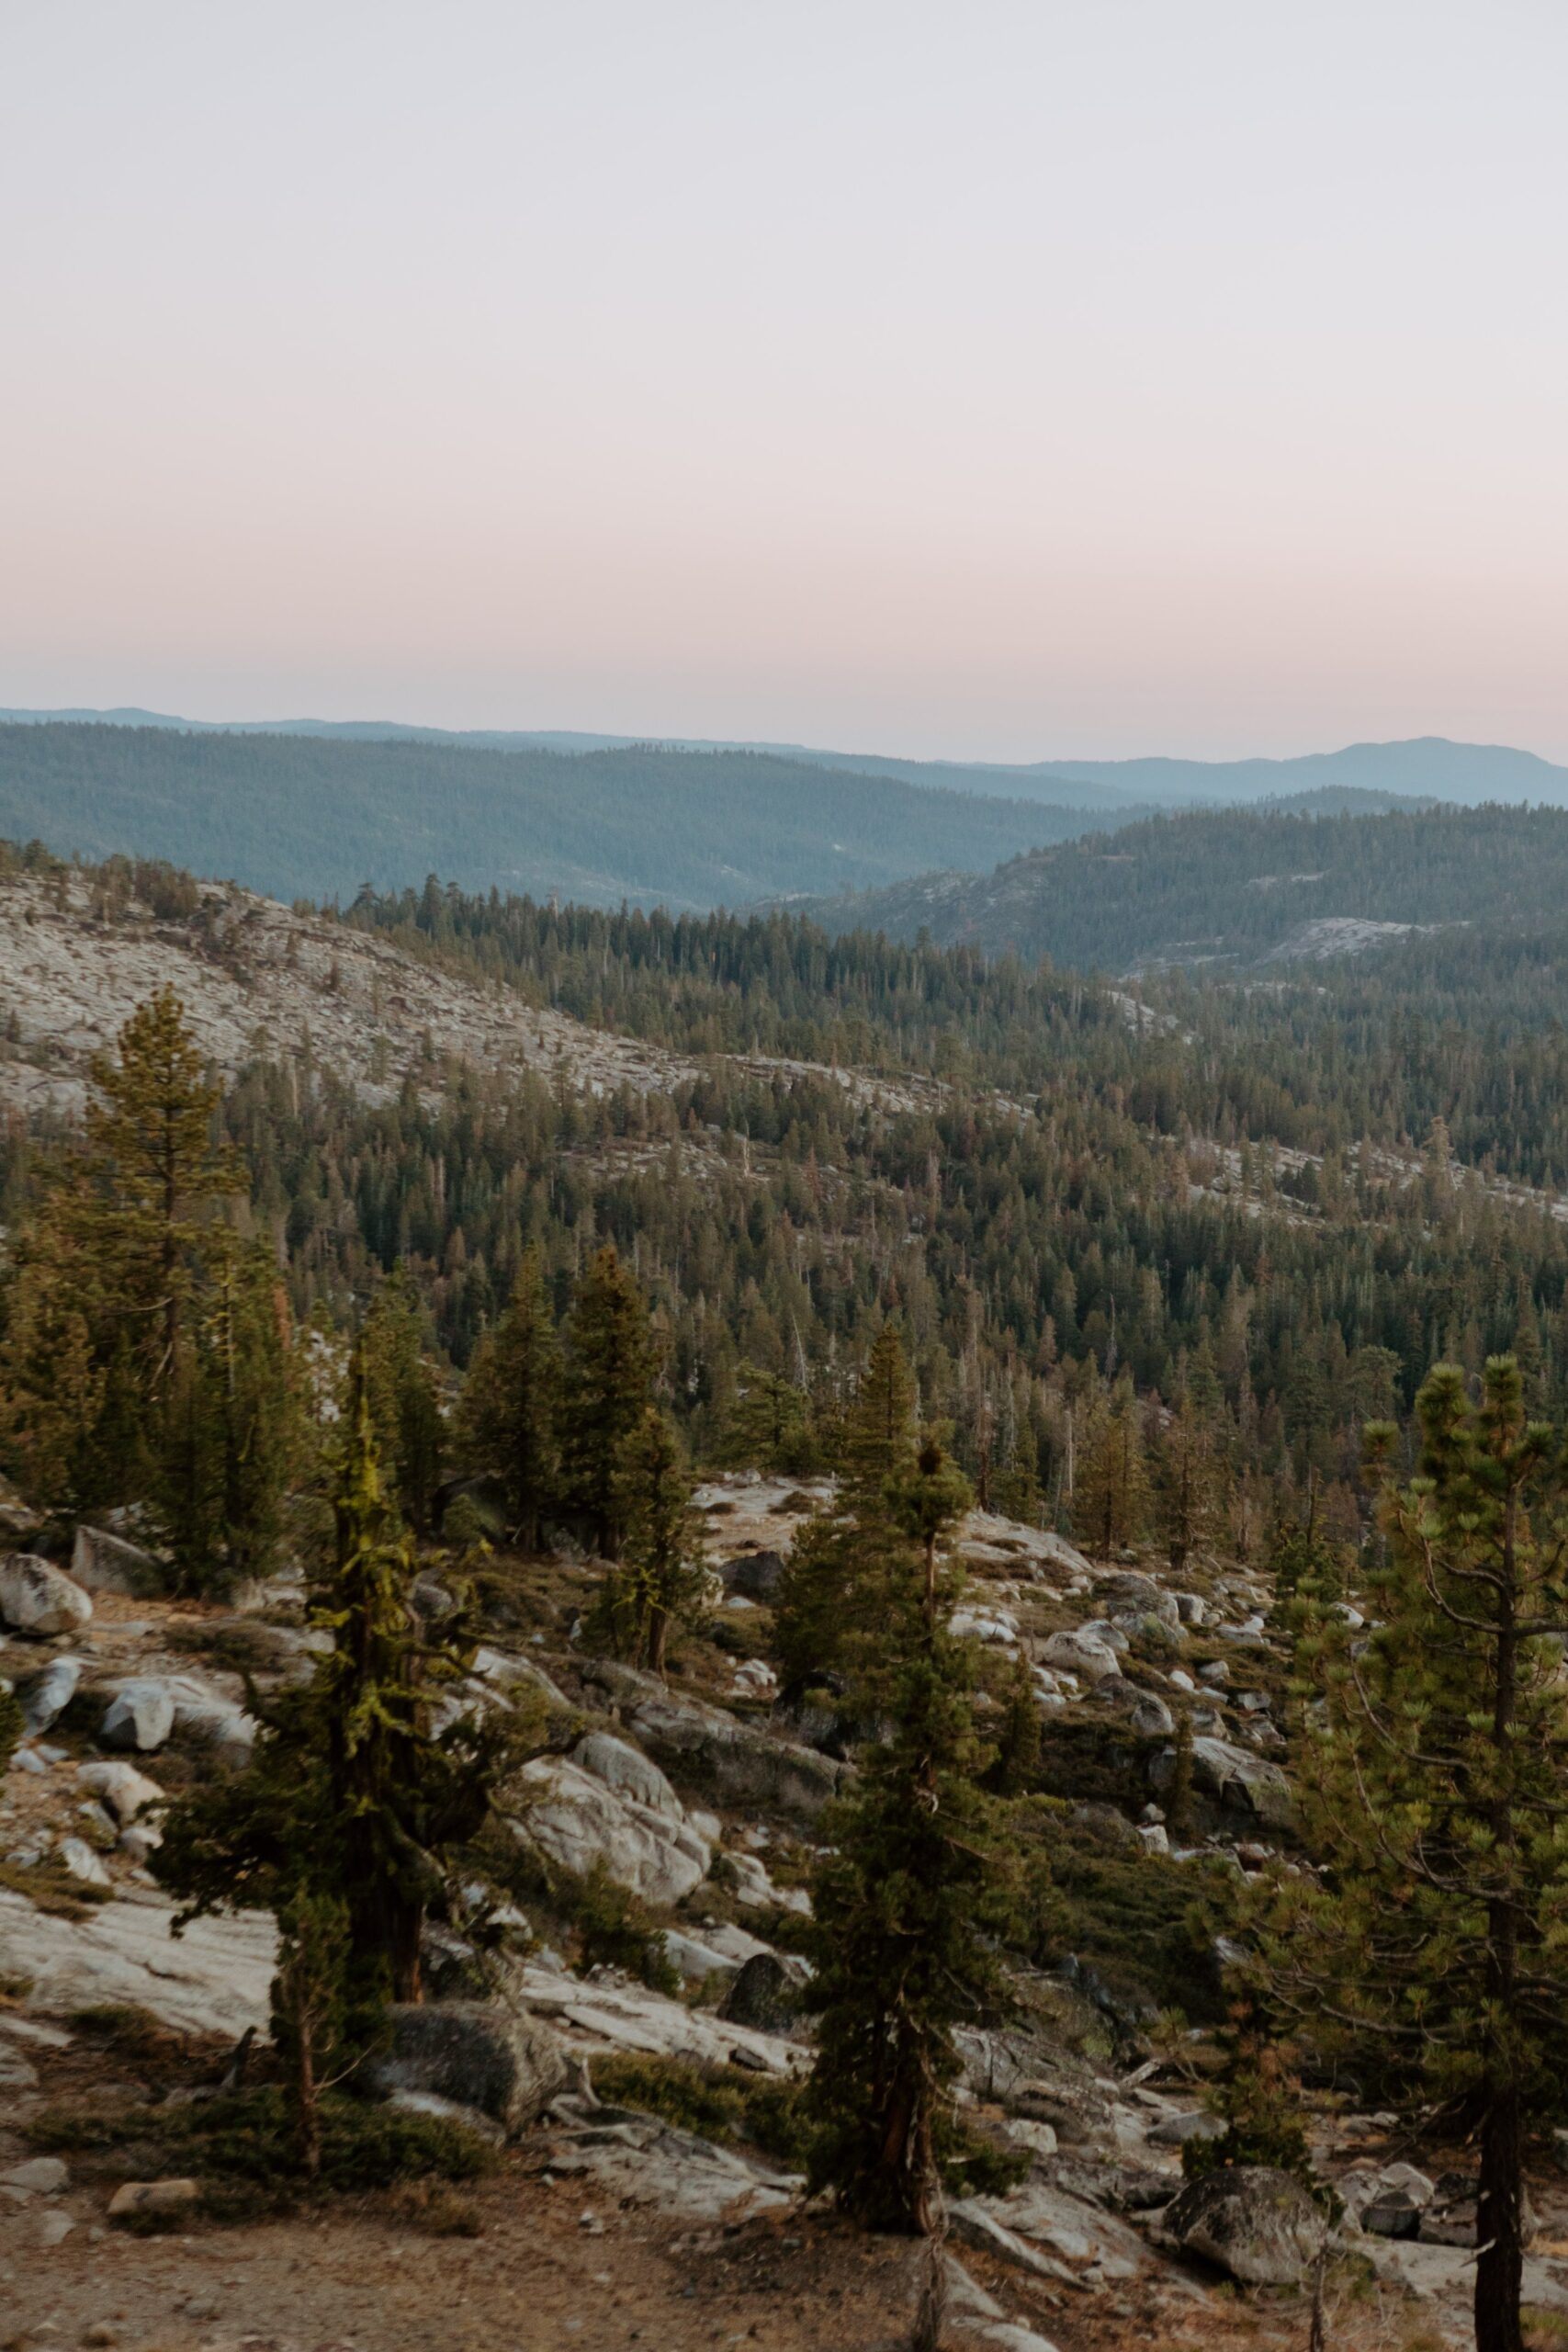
column 1432, row 1793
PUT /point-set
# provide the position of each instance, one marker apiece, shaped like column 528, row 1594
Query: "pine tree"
column 608, row 1376
column 510, row 1410
column 769, row 1426
column 1110, row 1499
column 847, row 1558
column 398, row 1793
column 405, row 1410
column 156, row 1167
column 660, row 1575
column 1190, row 1499
column 350, row 1799
column 900, row 1906
column 1432, row 1795
column 108, row 1269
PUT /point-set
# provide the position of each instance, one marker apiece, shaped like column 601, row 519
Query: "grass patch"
column 49, row 1886
column 241, row 2147
column 123, row 2027
column 720, row 2103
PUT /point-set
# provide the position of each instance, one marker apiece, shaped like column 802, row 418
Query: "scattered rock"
column 1234, row 1777
column 136, row 2196
column 755, row 1575
column 1082, row 1653
column 503, row 2062
column 37, row 1598
column 1258, row 2224
column 576, row 1819
column 103, row 1563
column 39, row 2177
column 141, row 1715
column 766, row 1994
column 1175, row 2130
column 84, row 1864
column 45, row 1696
column 739, row 1763
column 122, row 1788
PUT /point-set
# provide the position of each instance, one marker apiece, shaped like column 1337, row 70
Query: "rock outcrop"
column 38, row 1598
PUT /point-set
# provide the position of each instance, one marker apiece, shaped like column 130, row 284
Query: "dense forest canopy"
column 1233, row 887
column 306, row 816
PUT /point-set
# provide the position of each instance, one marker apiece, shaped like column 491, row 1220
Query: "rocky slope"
column 705, row 1795
column 260, row 981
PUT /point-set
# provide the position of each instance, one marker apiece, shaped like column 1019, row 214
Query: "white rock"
column 141, row 1715
column 82, row 1862
column 1082, row 1653
column 123, row 1789
column 38, row 1598
column 626, row 1769
column 49, row 1694
column 216, row 1978
column 575, row 1819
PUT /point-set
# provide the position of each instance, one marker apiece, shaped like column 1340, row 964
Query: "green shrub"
column 241, row 2147
column 722, row 2103
column 616, row 1932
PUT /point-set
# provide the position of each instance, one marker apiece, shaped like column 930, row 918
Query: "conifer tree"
column 155, row 1169
column 405, row 1410
column 901, row 1908
column 845, row 1559
column 1190, row 1500
column 351, row 1798
column 1432, row 1793
column 509, row 1413
column 769, row 1426
column 608, row 1375
column 1110, row 1499
column 659, row 1576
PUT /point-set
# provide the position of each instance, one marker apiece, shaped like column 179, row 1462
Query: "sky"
column 1001, row 378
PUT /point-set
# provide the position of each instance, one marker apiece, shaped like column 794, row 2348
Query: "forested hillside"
column 610, row 1455
column 301, row 815
column 1240, row 887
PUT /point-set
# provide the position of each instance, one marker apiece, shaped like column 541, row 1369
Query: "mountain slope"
column 1239, row 887
column 1428, row 767
column 303, row 816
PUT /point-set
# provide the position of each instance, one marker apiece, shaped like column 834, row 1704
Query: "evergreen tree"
column 405, row 1409
column 769, row 1426
column 1190, row 1503
column 156, row 1169
column 1110, row 1498
column 847, row 1560
column 351, row 1799
column 660, row 1575
column 1432, row 1793
column 608, row 1375
column 509, row 1413
column 901, row 1908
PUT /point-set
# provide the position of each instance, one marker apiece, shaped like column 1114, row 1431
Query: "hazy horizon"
column 1034, row 382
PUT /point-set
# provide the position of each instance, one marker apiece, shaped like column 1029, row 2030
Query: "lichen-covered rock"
column 500, row 2061
column 38, row 1598
column 1258, row 2224
column 626, row 1769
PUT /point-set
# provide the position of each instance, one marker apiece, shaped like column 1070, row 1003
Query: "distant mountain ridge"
column 314, row 816
column 1429, row 766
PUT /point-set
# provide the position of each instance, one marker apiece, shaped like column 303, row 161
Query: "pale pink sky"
column 1001, row 377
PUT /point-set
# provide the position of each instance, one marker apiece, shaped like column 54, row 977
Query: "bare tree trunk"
column 1499, row 2266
